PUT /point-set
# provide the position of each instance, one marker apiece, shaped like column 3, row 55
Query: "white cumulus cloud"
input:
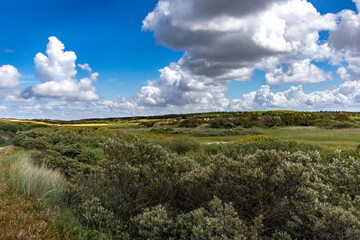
column 228, row 40
column 345, row 97
column 57, row 69
column 9, row 76
column 345, row 40
column 177, row 87
column 85, row 67
column 300, row 72
column 222, row 38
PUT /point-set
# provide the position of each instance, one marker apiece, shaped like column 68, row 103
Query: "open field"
column 170, row 128
column 334, row 138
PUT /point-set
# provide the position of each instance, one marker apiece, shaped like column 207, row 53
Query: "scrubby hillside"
column 128, row 187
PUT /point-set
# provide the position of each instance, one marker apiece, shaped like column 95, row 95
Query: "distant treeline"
column 234, row 119
column 263, row 119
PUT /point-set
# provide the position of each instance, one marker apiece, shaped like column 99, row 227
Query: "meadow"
column 248, row 175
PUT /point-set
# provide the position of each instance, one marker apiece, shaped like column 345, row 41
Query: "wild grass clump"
column 34, row 181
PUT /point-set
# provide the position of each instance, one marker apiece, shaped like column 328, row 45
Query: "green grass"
column 332, row 138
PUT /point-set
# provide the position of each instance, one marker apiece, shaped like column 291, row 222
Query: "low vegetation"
column 228, row 120
column 34, row 181
column 35, row 202
column 166, row 184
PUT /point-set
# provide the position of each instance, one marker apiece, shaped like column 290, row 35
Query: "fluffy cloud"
column 68, row 90
column 225, row 40
column 57, row 69
column 345, row 97
column 357, row 2
column 228, row 40
column 300, row 72
column 177, row 87
column 85, row 67
column 345, row 40
column 9, row 76
column 57, row 65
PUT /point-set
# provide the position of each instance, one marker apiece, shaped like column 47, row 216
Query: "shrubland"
column 129, row 187
column 268, row 119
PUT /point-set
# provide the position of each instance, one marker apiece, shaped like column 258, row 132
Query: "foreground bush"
column 152, row 194
column 136, row 175
column 258, row 189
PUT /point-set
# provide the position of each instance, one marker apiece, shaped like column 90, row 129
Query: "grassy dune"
column 31, row 201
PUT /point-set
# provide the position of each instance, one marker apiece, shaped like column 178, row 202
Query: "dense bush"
column 217, row 221
column 10, row 127
column 332, row 124
column 136, row 175
column 221, row 123
column 134, row 188
column 191, row 122
column 81, row 145
column 181, row 145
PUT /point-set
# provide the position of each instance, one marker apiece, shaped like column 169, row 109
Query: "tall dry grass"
column 18, row 171
column 57, row 220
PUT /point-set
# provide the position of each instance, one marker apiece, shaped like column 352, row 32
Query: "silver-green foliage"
column 269, row 194
column 140, row 190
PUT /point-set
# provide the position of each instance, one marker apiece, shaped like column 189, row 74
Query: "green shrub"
column 221, row 123
column 37, row 143
column 332, row 124
column 155, row 223
column 181, row 145
column 55, row 161
column 286, row 189
column 10, row 127
column 191, row 122
column 261, row 188
column 136, row 175
column 98, row 217
column 225, row 132
column 162, row 130
column 216, row 221
column 91, row 155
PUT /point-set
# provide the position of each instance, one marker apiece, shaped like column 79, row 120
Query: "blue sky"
column 106, row 34
column 127, row 53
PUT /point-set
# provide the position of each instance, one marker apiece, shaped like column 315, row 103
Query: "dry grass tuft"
column 33, row 181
